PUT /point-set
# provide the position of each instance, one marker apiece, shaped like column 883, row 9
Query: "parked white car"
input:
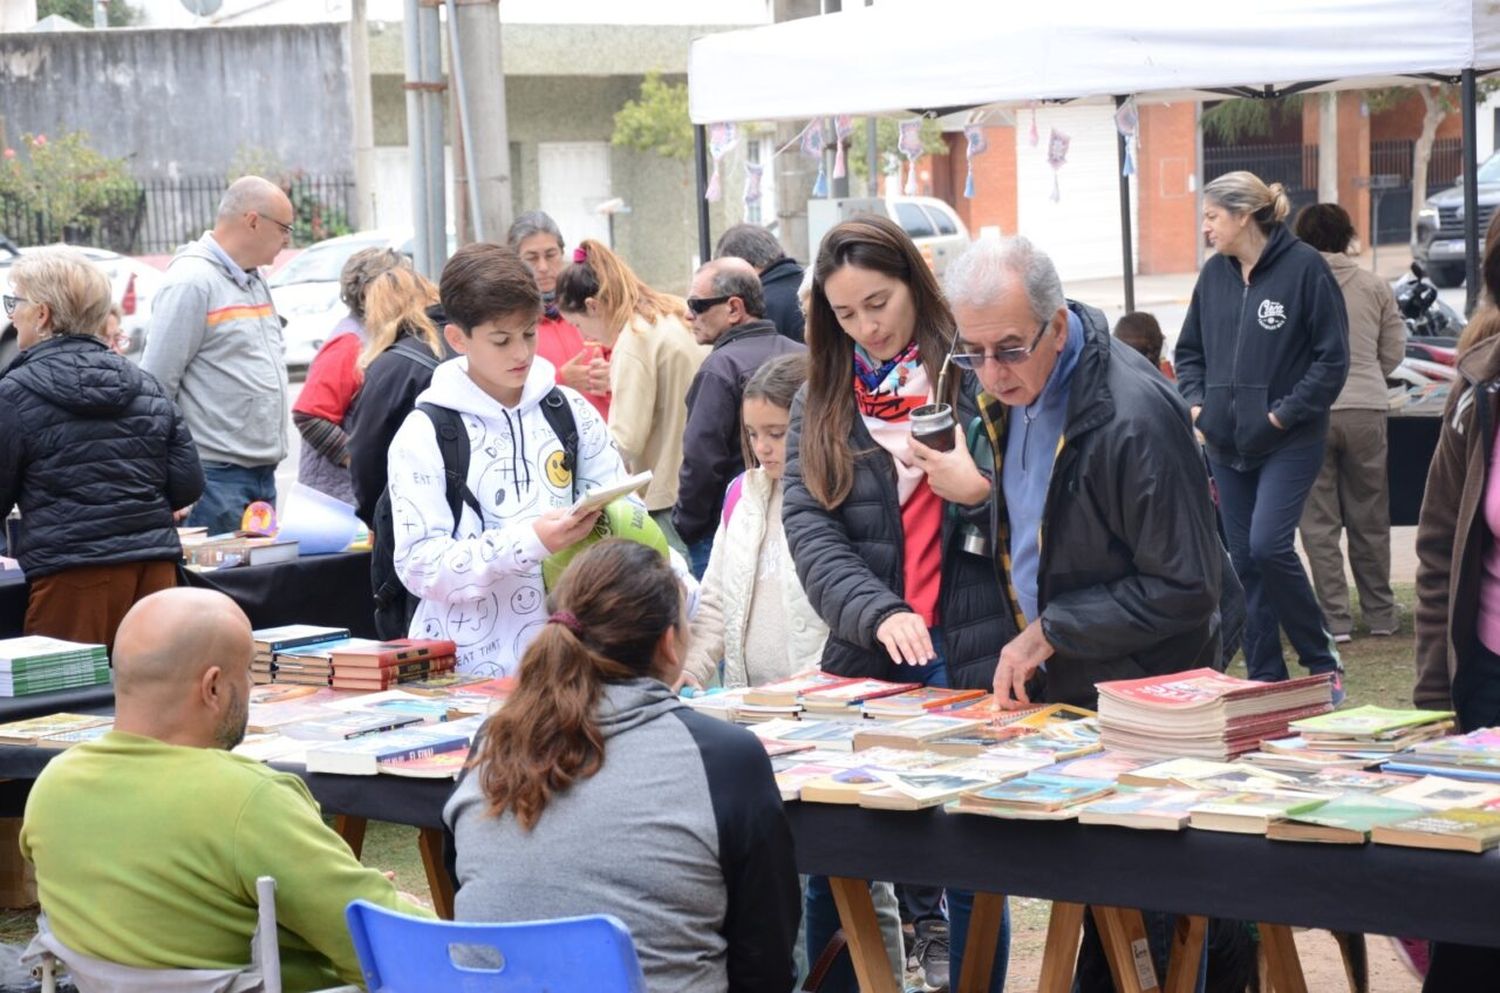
column 306, row 289
column 134, row 283
column 937, row 230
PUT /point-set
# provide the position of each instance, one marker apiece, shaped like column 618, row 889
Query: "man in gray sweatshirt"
column 215, row 344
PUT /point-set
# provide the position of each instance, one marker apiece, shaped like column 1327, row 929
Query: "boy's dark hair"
column 483, row 282
column 750, row 242
column 1326, row 227
column 1141, row 332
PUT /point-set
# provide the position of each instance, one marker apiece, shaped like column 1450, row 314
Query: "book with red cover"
column 368, row 653
column 384, row 677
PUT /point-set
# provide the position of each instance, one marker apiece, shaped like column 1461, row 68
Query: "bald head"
column 249, row 193
column 254, row 222
column 179, row 656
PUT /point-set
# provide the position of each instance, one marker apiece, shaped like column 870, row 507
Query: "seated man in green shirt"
column 147, row 842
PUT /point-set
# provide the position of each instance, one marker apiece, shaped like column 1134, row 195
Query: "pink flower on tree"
column 9, row 153
column 39, row 140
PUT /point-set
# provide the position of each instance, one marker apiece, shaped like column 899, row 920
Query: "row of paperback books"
column 38, row 664
column 313, row 655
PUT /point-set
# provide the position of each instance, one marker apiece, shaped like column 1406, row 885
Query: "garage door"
column 1081, row 231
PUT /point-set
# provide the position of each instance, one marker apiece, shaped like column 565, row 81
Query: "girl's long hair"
column 396, row 303
column 776, row 382
column 615, row 287
column 878, row 244
column 614, row 603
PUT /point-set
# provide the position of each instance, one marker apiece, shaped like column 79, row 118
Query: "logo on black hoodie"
column 1272, row 314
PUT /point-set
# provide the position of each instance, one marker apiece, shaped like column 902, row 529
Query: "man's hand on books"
column 905, row 637
column 560, row 528
column 1018, row 660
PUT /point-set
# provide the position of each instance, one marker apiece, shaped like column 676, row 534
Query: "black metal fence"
column 158, row 215
column 1294, row 166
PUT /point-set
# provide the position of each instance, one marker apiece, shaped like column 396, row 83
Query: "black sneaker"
column 931, row 952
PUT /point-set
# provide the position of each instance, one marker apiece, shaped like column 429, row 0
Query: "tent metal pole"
column 700, row 164
column 1127, row 253
column 1471, row 192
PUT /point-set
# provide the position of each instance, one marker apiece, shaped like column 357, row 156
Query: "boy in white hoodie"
column 480, row 584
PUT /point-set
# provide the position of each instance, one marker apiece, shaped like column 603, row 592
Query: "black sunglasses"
column 702, row 305
column 970, row 358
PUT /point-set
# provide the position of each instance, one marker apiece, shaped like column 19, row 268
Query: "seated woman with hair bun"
column 596, row 791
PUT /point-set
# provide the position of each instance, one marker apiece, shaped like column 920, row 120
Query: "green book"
column 1368, row 721
column 1346, row 819
column 1451, row 830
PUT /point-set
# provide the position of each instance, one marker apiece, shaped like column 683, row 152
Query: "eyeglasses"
column 702, row 305
column 286, row 229
column 11, row 303
column 969, row 358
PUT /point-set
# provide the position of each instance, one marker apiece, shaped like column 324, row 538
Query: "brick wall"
column 1167, row 160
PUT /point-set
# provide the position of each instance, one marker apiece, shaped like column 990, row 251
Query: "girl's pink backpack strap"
column 732, row 496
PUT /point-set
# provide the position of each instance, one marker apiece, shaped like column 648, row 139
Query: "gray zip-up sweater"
column 681, row 835
column 215, row 344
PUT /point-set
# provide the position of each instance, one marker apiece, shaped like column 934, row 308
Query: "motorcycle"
column 1425, row 315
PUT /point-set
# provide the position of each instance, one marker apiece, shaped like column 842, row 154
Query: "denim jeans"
column 1261, row 508
column 697, row 556
column 227, row 491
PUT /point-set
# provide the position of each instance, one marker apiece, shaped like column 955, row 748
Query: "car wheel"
column 1447, row 275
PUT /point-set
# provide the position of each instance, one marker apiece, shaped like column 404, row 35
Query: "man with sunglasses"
column 1105, row 537
column 727, row 311
column 215, row 344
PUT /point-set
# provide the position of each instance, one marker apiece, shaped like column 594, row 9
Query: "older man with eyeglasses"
column 1105, row 539
column 215, row 345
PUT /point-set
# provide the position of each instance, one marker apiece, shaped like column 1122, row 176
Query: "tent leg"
column 1126, row 252
column 700, row 163
column 1471, row 191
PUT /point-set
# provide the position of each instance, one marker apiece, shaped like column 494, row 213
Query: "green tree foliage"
column 64, row 186
column 120, row 13
column 312, row 219
column 657, row 121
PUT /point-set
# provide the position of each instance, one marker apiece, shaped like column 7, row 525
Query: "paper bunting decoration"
column 1128, row 123
column 910, row 144
column 843, row 128
column 1034, row 137
column 978, row 145
column 813, row 144
column 721, row 138
column 753, row 171
column 1057, row 157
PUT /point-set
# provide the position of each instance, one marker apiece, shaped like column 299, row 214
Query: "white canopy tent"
column 938, row 56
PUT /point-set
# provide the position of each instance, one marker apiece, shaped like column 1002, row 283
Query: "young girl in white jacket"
column 752, row 612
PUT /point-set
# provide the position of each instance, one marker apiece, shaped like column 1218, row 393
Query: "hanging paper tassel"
column 910, row 144
column 843, row 128
column 1057, row 157
column 753, row 171
column 1128, row 122
column 1034, row 137
column 721, row 138
column 712, row 193
column 978, row 144
column 813, row 143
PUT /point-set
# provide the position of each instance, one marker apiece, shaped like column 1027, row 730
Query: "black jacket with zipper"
column 851, row 559
column 1278, row 344
column 1131, row 575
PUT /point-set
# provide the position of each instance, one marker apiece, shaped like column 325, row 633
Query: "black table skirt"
column 1410, row 442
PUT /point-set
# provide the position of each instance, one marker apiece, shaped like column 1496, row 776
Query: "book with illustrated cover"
column 848, row 695
column 431, row 709
column 67, row 739
column 361, row 756
column 1099, row 765
column 1347, row 819
column 1155, row 809
column 342, row 727
column 1040, row 791
column 1189, row 772
column 1479, row 748
column 843, row 786
column 1043, row 746
column 1369, row 721
column 978, row 741
column 272, row 747
column 266, row 717
column 915, row 790
column 1241, row 813
column 442, row 684
column 289, row 636
column 775, row 748
column 1443, row 793
column 28, row 731
column 439, row 765
column 913, row 732
column 791, row 779
column 1450, row 830
column 833, row 735
column 788, row 692
column 919, row 701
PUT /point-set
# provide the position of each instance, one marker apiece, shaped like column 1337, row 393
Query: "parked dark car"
column 1439, row 239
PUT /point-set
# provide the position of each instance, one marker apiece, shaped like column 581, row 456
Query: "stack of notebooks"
column 38, row 664
column 1204, row 713
column 270, row 643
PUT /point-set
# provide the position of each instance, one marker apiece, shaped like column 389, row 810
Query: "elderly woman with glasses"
column 92, row 451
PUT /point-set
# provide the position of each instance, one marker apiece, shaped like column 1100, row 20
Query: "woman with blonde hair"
column 92, row 451
column 404, row 344
column 322, row 408
column 1263, row 354
column 653, row 358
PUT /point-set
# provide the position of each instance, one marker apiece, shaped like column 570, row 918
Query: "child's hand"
column 560, row 528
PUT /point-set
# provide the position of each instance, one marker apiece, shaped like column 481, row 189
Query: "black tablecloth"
column 1410, row 442
column 1376, row 889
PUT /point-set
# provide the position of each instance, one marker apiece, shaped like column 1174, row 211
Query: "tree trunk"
column 1422, row 152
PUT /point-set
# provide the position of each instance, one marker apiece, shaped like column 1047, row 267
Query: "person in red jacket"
column 582, row 365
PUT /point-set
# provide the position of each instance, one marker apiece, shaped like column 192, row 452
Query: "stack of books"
column 38, row 664
column 1475, row 755
column 846, row 699
column 362, row 756
column 1204, row 713
column 1371, row 729
column 362, row 664
column 915, row 703
column 271, row 642
column 1036, row 796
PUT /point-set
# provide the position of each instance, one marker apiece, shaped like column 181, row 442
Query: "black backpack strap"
column 417, row 352
column 559, row 414
column 453, row 444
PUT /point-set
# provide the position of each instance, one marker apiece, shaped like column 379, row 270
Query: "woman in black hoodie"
column 1262, row 355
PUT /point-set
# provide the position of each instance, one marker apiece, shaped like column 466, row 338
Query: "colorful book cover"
column 1368, row 721
column 1196, row 688
column 67, row 739
column 784, row 691
column 1443, row 793
column 361, row 756
column 931, row 785
column 343, row 727
column 921, row 700
column 921, row 728
column 1465, row 830
column 28, row 731
column 1042, row 790
column 1162, row 808
column 288, row 636
column 1358, row 812
column 440, row 765
column 1099, row 765
column 851, row 692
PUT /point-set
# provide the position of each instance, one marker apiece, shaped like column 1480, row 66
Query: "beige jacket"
column 649, row 374
column 1377, row 335
column 729, row 584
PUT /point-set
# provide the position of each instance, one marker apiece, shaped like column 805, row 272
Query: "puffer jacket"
column 95, row 455
column 1131, row 581
column 850, row 561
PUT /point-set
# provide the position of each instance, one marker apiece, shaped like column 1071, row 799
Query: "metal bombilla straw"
column 938, row 394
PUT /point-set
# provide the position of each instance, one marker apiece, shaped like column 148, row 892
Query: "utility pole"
column 479, row 88
column 365, row 213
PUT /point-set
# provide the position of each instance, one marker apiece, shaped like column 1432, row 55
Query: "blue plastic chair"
column 400, row 954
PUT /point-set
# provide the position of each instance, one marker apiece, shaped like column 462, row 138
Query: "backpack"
column 394, row 603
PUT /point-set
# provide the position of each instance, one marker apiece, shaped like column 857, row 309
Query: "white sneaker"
column 1344, row 639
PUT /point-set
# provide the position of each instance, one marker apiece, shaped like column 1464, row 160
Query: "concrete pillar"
column 365, row 213
column 484, row 89
column 1328, row 146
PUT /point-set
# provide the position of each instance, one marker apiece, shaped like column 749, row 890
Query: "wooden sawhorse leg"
column 430, row 844
column 1123, row 934
column 1187, row 953
column 1060, row 959
column 872, row 968
column 352, row 830
column 1283, row 972
column 985, row 919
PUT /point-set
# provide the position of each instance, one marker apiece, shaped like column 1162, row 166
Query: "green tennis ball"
column 624, row 518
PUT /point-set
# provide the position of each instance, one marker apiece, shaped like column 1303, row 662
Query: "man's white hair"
column 976, row 277
column 246, row 194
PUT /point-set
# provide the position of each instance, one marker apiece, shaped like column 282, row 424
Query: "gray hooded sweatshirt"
column 680, row 834
column 215, row 345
